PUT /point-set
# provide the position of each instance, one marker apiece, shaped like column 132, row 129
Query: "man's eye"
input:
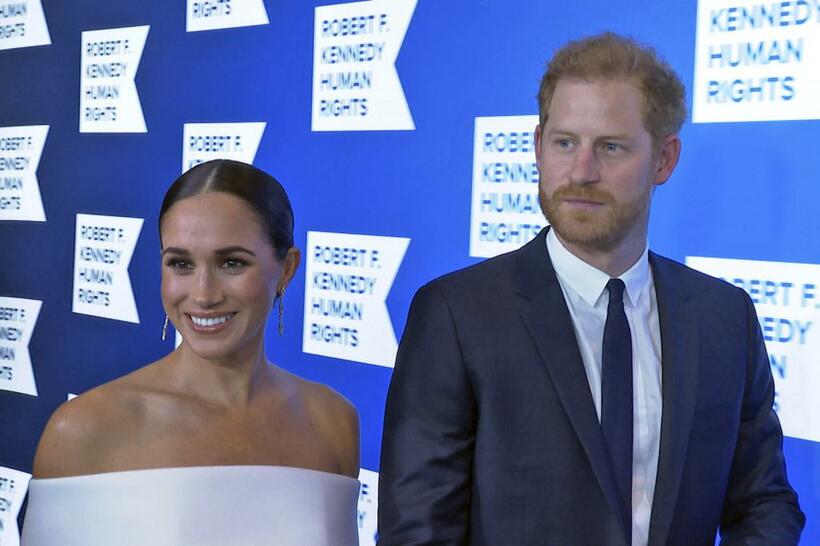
column 563, row 143
column 612, row 147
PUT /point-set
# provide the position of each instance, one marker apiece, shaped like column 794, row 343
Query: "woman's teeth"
column 211, row 321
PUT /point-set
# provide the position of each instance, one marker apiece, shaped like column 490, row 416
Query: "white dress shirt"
column 584, row 289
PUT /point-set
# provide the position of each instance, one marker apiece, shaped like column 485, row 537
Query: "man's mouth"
column 581, row 201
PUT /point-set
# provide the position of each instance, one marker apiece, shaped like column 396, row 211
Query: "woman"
column 212, row 444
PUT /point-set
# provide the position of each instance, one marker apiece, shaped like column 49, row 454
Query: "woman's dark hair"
column 259, row 190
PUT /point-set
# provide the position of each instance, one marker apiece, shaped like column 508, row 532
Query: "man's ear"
column 537, row 145
column 667, row 158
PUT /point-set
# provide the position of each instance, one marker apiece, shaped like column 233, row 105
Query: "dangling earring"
column 281, row 310
column 165, row 328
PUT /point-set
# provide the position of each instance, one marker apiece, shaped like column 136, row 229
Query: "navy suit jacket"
column 491, row 436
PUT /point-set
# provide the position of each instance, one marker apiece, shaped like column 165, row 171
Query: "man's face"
column 596, row 164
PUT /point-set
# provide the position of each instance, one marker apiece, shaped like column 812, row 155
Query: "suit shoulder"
column 489, row 273
column 696, row 281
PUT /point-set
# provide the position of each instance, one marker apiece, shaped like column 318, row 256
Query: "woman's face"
column 219, row 274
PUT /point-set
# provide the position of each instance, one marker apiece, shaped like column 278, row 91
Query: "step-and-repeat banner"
column 403, row 132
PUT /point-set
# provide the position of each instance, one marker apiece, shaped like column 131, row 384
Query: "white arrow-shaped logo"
column 18, row 318
column 103, row 249
column 109, row 102
column 348, row 280
column 13, row 487
column 209, row 15
column 20, row 152
column 23, row 24
column 355, row 83
column 205, row 141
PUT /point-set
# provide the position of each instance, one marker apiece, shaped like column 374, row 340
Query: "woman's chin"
column 212, row 349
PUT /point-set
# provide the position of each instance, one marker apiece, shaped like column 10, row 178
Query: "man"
column 583, row 390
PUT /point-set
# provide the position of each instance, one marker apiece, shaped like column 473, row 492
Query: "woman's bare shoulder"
column 320, row 399
column 81, row 428
column 338, row 420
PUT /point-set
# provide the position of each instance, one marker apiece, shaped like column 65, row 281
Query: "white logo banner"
column 505, row 212
column 23, row 24
column 757, row 61
column 213, row 14
column 102, row 252
column 18, row 317
column 355, row 83
column 368, row 506
column 109, row 102
column 20, row 152
column 13, row 487
column 202, row 142
column 347, row 279
column 787, row 300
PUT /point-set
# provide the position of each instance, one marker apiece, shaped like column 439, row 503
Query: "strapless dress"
column 194, row 506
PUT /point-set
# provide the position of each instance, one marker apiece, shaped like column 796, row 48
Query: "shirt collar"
column 590, row 282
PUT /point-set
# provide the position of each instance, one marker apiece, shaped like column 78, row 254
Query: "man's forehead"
column 600, row 107
column 599, row 82
column 600, row 93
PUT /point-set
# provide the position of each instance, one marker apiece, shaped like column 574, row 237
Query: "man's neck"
column 616, row 261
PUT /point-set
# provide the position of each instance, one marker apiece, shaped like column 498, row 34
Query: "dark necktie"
column 616, row 398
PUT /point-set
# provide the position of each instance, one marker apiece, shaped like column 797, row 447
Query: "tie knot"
column 616, row 289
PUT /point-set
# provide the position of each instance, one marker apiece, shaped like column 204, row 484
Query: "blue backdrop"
column 744, row 190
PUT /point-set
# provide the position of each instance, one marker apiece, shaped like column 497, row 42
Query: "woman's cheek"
column 172, row 289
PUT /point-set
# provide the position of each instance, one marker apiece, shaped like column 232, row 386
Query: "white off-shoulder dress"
column 194, row 506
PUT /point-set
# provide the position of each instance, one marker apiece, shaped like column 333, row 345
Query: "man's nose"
column 585, row 166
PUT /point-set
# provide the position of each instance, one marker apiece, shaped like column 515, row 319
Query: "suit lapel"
column 550, row 325
column 679, row 346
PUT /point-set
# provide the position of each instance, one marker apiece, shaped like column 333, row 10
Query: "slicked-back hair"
column 609, row 56
column 263, row 194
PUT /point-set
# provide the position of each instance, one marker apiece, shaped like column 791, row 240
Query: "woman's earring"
column 281, row 310
column 165, row 328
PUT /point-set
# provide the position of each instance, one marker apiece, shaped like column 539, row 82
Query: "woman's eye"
column 233, row 263
column 179, row 265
